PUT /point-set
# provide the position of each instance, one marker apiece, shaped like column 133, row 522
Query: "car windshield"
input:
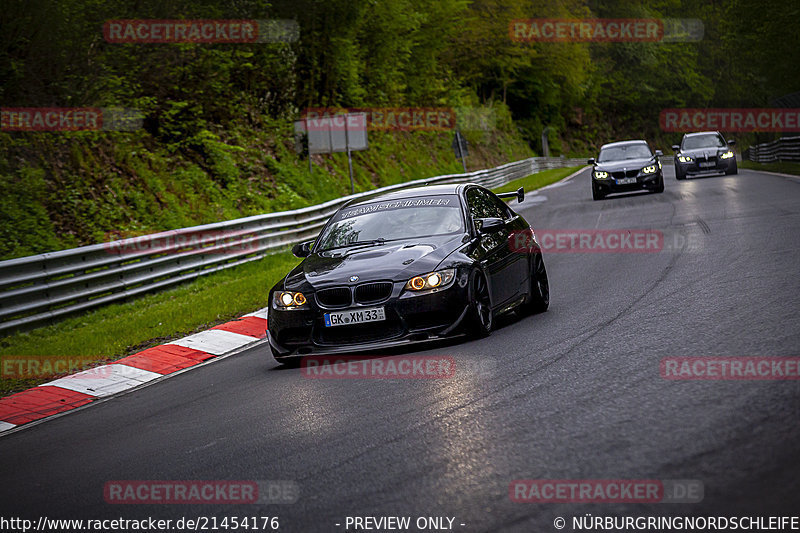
column 625, row 151
column 407, row 218
column 703, row 141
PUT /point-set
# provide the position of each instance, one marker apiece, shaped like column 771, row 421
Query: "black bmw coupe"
column 626, row 166
column 407, row 266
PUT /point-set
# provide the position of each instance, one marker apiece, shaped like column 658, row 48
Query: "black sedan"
column 626, row 166
column 704, row 153
column 407, row 266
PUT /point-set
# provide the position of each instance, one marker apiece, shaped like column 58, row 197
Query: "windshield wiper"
column 371, row 242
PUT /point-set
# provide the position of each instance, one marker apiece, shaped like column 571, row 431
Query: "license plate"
column 626, row 181
column 706, row 164
column 356, row 316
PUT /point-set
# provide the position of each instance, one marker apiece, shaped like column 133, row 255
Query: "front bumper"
column 643, row 182
column 694, row 168
column 409, row 319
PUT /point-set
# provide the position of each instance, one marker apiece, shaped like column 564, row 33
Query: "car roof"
column 622, row 143
column 414, row 192
column 701, row 133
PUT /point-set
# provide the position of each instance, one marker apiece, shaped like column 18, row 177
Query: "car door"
column 495, row 254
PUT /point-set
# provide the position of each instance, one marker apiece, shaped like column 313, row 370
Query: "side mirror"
column 490, row 225
column 591, row 161
column 731, row 142
column 302, row 249
column 659, row 153
column 676, row 148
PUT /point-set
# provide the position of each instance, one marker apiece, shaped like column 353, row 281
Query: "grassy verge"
column 784, row 167
column 122, row 329
column 538, row 180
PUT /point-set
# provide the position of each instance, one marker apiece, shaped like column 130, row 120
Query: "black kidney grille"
column 624, row 174
column 370, row 293
column 336, row 297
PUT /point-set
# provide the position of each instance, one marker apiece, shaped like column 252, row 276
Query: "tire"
column 596, row 194
column 734, row 171
column 480, row 315
column 660, row 186
column 539, row 296
column 678, row 174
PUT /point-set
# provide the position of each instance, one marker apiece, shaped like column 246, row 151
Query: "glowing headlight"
column 649, row 170
column 684, row 159
column 726, row 155
column 659, row 163
column 289, row 300
column 601, row 175
column 441, row 278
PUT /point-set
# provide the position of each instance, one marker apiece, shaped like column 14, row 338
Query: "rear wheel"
column 481, row 317
column 539, row 296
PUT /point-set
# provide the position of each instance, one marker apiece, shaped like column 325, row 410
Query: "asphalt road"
column 574, row 393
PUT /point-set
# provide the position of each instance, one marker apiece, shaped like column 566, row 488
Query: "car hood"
column 703, row 152
column 396, row 261
column 627, row 164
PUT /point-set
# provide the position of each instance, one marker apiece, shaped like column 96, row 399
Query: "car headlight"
column 432, row 280
column 600, row 174
column 659, row 163
column 289, row 300
column 726, row 155
column 684, row 159
column 649, row 170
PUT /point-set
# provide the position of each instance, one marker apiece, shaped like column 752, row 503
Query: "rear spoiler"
column 519, row 194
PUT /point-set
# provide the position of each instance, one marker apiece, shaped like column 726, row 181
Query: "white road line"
column 261, row 313
column 104, row 380
column 214, row 341
column 565, row 180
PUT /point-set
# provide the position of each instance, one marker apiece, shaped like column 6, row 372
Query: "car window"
column 712, row 140
column 405, row 218
column 628, row 151
column 482, row 205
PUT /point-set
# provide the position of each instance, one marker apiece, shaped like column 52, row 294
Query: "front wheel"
column 481, row 317
column 660, row 186
column 734, row 169
column 678, row 174
column 539, row 296
column 596, row 194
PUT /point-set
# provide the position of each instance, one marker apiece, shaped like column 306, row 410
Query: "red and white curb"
column 82, row 388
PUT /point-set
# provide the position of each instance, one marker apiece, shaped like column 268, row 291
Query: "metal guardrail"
column 39, row 288
column 784, row 149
